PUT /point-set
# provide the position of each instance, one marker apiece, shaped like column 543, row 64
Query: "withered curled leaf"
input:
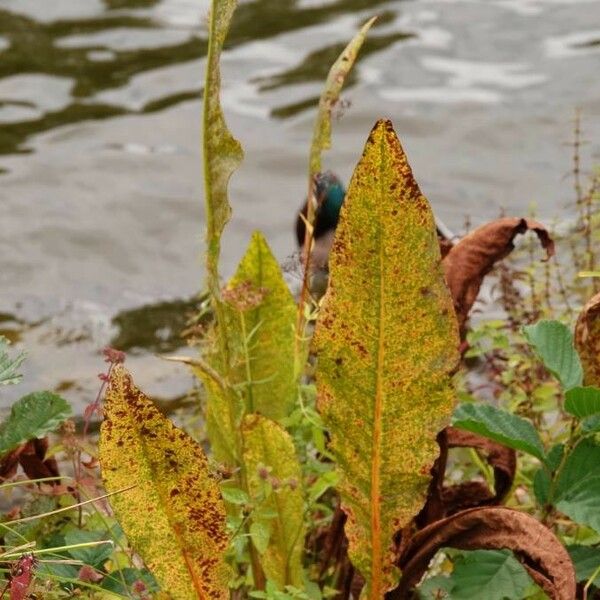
column 587, row 340
column 469, row 261
column 444, row 500
column 538, row 549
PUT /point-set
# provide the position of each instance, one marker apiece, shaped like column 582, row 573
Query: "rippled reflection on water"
column 101, row 196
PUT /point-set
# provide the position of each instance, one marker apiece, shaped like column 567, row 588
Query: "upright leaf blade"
column 265, row 328
column 269, row 448
column 553, row 342
column 174, row 516
column 331, row 92
column 33, row 416
column 222, row 152
column 387, row 341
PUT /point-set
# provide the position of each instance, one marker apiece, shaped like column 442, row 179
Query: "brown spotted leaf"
column 386, row 341
column 469, row 261
column 174, row 517
column 541, row 553
column 587, row 341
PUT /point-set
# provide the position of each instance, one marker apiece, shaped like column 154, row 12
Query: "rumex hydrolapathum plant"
column 387, row 343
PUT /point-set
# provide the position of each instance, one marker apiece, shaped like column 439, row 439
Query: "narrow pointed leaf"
column 553, row 343
column 501, row 426
column 222, row 152
column 268, row 448
column 386, row 341
column 582, row 402
column 333, row 86
column 174, row 516
column 33, row 416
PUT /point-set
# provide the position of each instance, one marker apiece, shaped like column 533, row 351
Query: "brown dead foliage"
column 474, row 256
column 32, row 458
column 443, row 501
column 492, row 528
column 587, row 340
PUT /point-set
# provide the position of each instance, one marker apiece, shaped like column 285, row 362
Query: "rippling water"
column 101, row 210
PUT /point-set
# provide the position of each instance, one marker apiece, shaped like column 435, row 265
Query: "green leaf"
column 586, row 559
column 33, row 416
column 113, row 582
column 234, row 495
column 553, row 343
column 8, row 365
column 591, row 424
column 95, row 556
column 582, row 402
column 435, row 588
column 260, row 532
column 489, row 574
column 164, row 495
column 274, row 474
column 386, row 341
column 261, row 332
column 498, row 425
column 580, row 502
column 221, row 151
column 577, row 492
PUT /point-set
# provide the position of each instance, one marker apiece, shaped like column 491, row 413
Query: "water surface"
column 101, row 210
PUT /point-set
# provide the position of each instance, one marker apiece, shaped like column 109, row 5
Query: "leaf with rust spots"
column 268, row 446
column 387, row 342
column 587, row 341
column 540, row 552
column 469, row 261
column 174, row 516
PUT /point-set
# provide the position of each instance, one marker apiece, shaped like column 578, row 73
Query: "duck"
column 330, row 194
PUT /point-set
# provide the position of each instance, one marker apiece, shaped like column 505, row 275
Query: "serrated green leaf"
column 435, row 588
column 8, row 365
column 489, row 574
column 269, row 448
column 33, row 416
column 174, row 516
column 580, row 502
column 582, row 402
column 577, row 492
column 95, row 556
column 553, row 343
column 234, row 495
column 386, row 341
column 586, row 559
column 591, row 424
column 501, row 426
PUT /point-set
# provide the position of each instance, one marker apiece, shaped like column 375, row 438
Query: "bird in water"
column 330, row 194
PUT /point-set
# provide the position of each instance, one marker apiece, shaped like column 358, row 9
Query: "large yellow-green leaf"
column 222, row 152
column 387, row 342
column 174, row 517
column 269, row 456
column 261, row 318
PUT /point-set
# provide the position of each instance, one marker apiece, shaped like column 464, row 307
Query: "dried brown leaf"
column 492, row 528
column 443, row 500
column 587, row 340
column 469, row 261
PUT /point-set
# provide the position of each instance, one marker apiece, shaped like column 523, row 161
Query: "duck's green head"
column 330, row 194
